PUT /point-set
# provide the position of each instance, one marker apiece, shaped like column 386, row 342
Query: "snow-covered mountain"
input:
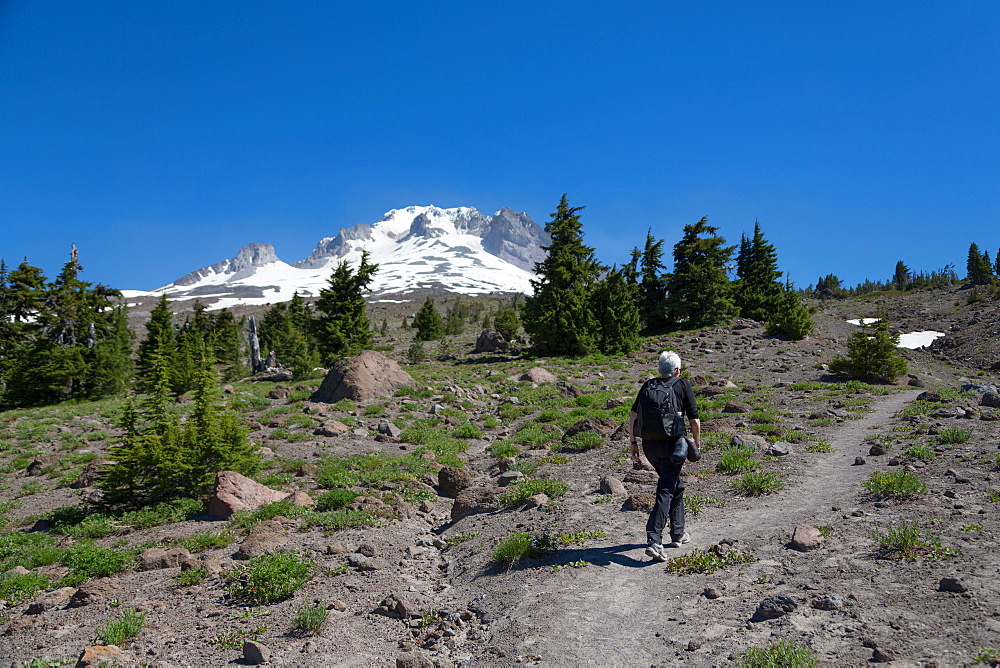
column 460, row 249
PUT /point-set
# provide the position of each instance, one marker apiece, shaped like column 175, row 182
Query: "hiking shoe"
column 683, row 540
column 655, row 550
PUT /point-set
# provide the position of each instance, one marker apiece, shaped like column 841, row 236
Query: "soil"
column 600, row 600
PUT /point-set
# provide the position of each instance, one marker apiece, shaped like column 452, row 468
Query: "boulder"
column 990, row 400
column 538, row 375
column 92, row 591
column 389, row 429
column 507, row 478
column 779, row 449
column 748, row 439
column 452, row 480
column 255, row 653
column 806, row 537
column 299, row 498
column 641, row 501
column 491, row 341
column 331, row 429
column 156, row 558
column 368, row 376
column 603, row 426
column 38, row 466
column 979, row 388
column 475, row 500
column 536, row 501
column 236, row 492
column 773, row 607
column 612, row 486
column 266, row 536
column 736, row 407
column 52, row 600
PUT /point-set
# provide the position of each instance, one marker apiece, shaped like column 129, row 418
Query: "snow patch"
column 915, row 340
column 863, row 321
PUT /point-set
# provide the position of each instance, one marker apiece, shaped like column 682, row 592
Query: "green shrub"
column 757, row 483
column 895, row 485
column 953, row 436
column 310, row 618
column 739, row 458
column 372, row 470
column 503, row 449
column 694, row 504
column 205, row 540
column 270, row 578
column 585, row 440
column 700, row 561
column 122, row 628
column 191, row 576
column 86, row 560
column 247, row 518
column 335, row 499
column 337, row 520
column 906, row 542
column 522, row 490
column 920, row 452
column 763, row 416
column 28, row 550
column 781, row 654
column 522, row 546
column 467, row 430
column 16, row 588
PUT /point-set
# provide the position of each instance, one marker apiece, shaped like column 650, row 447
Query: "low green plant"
column 374, row 410
column 819, row 446
column 763, row 416
column 821, row 422
column 580, row 536
column 191, row 576
column 86, row 560
column 270, row 578
column 118, row 630
column 335, row 499
column 700, row 561
column 988, row 656
column 972, row 527
column 525, row 488
column 906, row 541
column 310, row 618
column 17, row 588
column 897, row 485
column 920, row 452
column 467, row 430
column 338, row 520
column 235, row 639
column 585, row 440
column 757, row 483
column 581, row 563
column 522, row 546
column 953, row 436
column 694, row 504
column 781, row 654
column 737, row 458
column 247, row 518
column 462, row 537
column 205, row 540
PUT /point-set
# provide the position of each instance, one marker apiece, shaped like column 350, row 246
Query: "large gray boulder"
column 368, row 376
column 491, row 341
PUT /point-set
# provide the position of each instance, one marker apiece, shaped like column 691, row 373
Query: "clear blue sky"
column 161, row 136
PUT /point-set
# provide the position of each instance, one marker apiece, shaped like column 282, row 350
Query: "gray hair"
column 669, row 362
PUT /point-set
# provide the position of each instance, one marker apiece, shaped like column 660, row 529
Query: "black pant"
column 669, row 492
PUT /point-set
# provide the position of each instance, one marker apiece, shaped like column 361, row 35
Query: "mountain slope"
column 459, row 249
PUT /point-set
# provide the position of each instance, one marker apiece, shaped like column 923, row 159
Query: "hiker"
column 660, row 431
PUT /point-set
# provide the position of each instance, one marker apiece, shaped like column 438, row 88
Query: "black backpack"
column 660, row 415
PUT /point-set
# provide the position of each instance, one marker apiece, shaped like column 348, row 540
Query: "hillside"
column 413, row 586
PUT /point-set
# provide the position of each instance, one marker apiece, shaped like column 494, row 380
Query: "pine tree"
column 698, row 291
column 559, row 314
column 428, row 322
column 829, row 286
column 384, row 329
column 160, row 336
column 653, row 287
column 616, row 310
column 112, row 370
column 757, row 288
column 901, row 277
column 979, row 267
column 790, row 318
column 996, row 266
column 872, row 355
column 342, row 327
column 506, row 320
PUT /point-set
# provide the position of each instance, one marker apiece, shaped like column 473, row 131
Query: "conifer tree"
column 901, row 277
column 342, row 326
column 996, row 266
column 698, row 291
column 428, row 322
column 617, row 313
column 653, row 287
column 872, row 355
column 160, row 336
column 978, row 266
column 559, row 314
column 829, row 286
column 790, row 318
column 384, row 329
column 757, row 288
column 506, row 320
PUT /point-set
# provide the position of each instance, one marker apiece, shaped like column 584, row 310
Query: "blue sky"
column 159, row 137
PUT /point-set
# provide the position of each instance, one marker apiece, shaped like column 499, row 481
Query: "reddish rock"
column 475, row 500
column 453, row 480
column 52, row 600
column 266, row 536
column 736, row 407
column 103, row 655
column 642, row 501
column 236, row 492
column 331, row 429
column 603, row 426
column 300, row 498
column 92, row 591
column 368, row 376
column 806, row 537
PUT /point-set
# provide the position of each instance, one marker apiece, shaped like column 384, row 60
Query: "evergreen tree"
column 616, row 311
column 653, row 286
column 226, row 338
column 428, row 323
column 160, row 336
column 829, row 286
column 342, row 327
column 112, row 370
column 978, row 266
column 872, row 355
column 698, row 291
column 25, row 291
column 384, row 329
column 996, row 266
column 455, row 318
column 159, row 459
column 506, row 320
column 559, row 314
column 757, row 288
column 790, row 318
column 901, row 277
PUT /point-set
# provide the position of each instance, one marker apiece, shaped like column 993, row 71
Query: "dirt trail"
column 612, row 611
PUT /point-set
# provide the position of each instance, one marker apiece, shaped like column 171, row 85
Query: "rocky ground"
column 422, row 586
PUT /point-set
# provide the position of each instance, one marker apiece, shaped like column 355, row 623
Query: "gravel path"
column 612, row 612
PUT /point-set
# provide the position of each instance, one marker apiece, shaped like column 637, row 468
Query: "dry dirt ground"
column 600, row 600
